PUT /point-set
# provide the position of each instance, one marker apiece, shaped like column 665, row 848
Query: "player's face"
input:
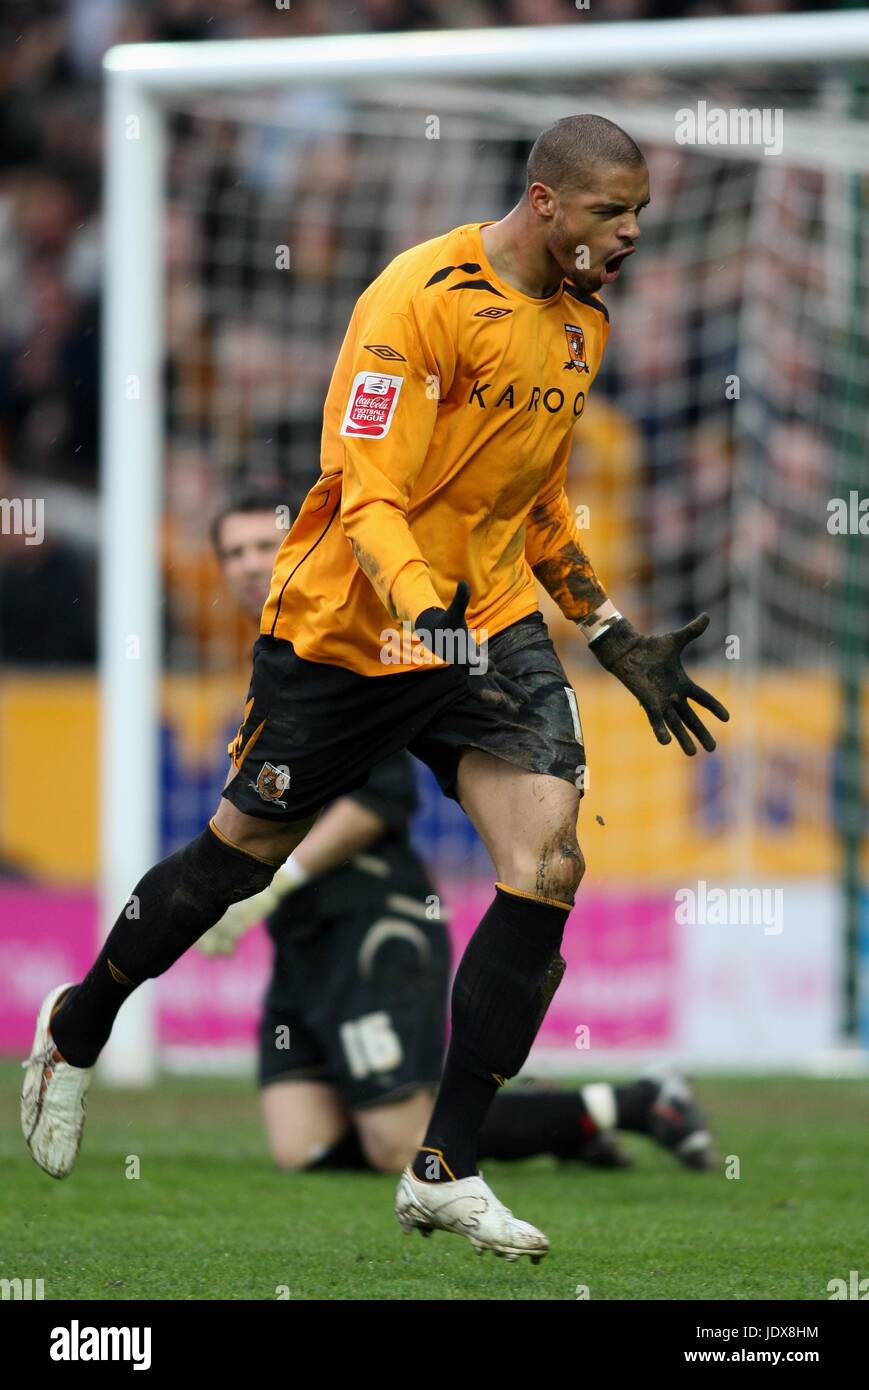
column 594, row 230
column 247, row 545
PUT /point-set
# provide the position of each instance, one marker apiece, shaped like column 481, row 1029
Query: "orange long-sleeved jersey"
column 446, row 435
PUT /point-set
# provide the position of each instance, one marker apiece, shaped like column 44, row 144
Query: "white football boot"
column 53, row 1098
column 469, row 1208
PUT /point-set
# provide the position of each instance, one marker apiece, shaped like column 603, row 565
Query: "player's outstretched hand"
column 652, row 670
column 445, row 632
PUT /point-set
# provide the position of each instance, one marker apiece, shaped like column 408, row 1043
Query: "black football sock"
column 521, row 1124
column 449, row 1150
column 633, row 1104
column 346, row 1154
column 504, row 984
column 170, row 908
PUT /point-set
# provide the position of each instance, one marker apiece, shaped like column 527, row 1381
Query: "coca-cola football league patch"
column 371, row 405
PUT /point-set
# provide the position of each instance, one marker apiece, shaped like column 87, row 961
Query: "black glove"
column 652, row 670
column 445, row 633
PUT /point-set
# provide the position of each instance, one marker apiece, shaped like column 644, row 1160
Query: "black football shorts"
column 358, row 1000
column 312, row 732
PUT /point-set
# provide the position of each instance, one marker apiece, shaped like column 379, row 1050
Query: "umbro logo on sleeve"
column 389, row 354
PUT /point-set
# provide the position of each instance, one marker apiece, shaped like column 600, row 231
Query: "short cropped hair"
column 565, row 155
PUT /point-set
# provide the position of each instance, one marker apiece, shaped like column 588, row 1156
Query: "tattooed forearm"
column 547, row 527
column 569, row 578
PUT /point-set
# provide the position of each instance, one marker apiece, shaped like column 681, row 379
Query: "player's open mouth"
column 612, row 267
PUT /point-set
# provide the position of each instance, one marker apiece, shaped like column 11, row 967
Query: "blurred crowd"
column 50, row 266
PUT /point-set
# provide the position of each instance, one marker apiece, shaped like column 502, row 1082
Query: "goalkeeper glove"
column 652, row 670
column 445, row 633
column 221, row 939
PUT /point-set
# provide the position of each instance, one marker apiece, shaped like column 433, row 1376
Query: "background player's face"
column 247, row 544
column 603, row 219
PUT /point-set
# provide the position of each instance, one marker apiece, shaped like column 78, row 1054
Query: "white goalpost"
column 499, row 85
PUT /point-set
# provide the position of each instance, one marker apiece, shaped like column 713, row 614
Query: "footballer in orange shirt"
column 403, row 614
column 360, row 976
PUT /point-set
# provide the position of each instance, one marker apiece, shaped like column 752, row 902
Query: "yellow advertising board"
column 763, row 805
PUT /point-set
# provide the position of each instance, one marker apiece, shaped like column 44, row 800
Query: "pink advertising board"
column 620, row 982
column 639, row 983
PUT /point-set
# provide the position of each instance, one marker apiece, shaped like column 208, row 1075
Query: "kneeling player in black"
column 352, row 1035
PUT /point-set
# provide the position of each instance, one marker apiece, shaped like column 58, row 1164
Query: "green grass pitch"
column 209, row 1218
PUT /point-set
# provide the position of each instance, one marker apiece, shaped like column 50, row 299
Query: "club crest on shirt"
column 271, row 784
column 371, row 406
column 576, row 348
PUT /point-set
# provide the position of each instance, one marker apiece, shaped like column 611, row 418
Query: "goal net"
column 717, row 467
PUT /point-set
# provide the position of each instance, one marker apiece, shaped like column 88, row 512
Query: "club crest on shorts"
column 576, row 348
column 373, row 398
column 271, row 784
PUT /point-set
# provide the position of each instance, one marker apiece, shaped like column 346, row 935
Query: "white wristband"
column 598, row 622
column 293, row 875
